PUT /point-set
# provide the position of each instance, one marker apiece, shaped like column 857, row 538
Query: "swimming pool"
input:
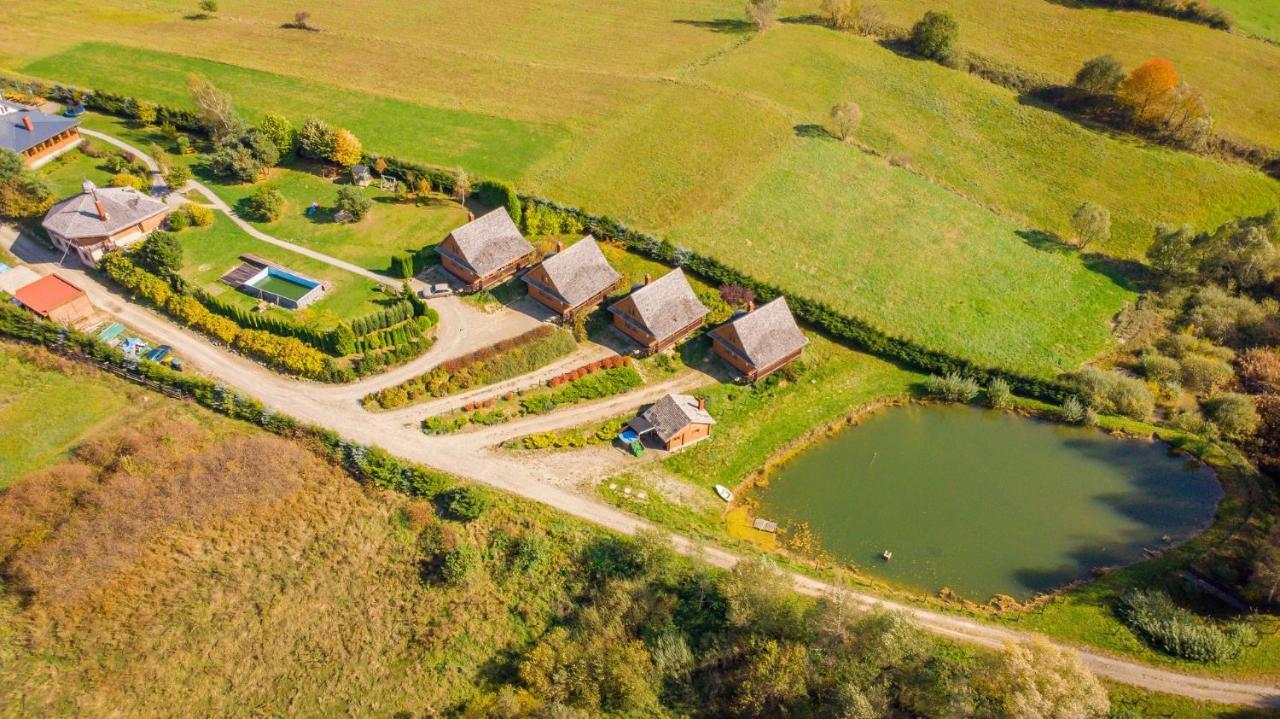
column 283, row 288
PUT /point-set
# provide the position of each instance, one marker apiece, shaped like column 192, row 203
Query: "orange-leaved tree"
column 1148, row 86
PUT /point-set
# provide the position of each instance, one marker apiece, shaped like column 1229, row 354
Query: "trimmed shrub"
column 402, row 265
column 266, row 204
column 466, row 504
column 499, row 194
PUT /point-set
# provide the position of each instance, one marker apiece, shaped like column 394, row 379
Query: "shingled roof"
column 665, row 305
column 490, row 242
column 578, row 273
column 78, row 217
column 669, row 415
column 765, row 335
column 14, row 133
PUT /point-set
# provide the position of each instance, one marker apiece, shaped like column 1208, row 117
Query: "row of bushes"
column 1151, row 614
column 852, row 330
column 1190, row 10
column 281, row 352
column 369, row 464
column 388, row 317
column 570, row 438
column 404, row 333
column 323, row 341
column 591, row 387
column 500, row 361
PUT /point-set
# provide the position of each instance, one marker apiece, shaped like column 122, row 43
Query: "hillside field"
column 707, row 137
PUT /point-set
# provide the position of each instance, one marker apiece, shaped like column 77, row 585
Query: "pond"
column 987, row 503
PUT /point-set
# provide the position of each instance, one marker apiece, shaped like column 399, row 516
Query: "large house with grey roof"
column 674, row 421
column 101, row 220
column 486, row 251
column 572, row 280
column 761, row 341
column 37, row 136
column 660, row 313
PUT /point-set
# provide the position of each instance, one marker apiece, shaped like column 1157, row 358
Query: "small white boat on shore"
column 725, row 493
column 886, row 555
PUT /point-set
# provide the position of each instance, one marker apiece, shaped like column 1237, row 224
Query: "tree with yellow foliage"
column 347, row 150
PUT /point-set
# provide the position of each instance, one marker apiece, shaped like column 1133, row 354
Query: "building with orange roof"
column 56, row 299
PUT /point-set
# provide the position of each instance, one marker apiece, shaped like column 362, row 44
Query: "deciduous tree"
column 840, row 14
column 214, row 109
column 280, row 131
column 1149, row 87
column 347, row 150
column 763, row 13
column 1100, row 76
column 23, row 192
column 1036, row 680
column 935, row 35
column 1091, row 223
column 845, row 120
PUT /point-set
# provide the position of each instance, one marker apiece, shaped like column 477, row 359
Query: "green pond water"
column 282, row 287
column 987, row 503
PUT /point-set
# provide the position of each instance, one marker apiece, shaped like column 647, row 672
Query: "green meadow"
column 1256, row 17
column 673, row 118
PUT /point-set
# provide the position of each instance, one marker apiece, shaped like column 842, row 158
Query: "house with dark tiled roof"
column 37, row 136
column 486, row 251
column 761, row 341
column 573, row 279
column 674, row 421
column 660, row 313
column 102, row 219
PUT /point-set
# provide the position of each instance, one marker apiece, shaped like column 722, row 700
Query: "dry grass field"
column 176, row 559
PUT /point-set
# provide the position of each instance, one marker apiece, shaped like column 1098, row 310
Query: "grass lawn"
column 390, row 228
column 45, row 412
column 68, row 171
column 753, row 424
column 1256, row 17
column 914, row 259
column 486, row 145
column 209, row 252
column 1173, row 707
column 1237, row 74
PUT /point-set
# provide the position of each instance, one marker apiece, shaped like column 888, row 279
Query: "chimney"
column 559, row 245
column 102, row 211
column 26, row 122
column 702, row 404
column 471, row 216
column 751, row 306
column 647, row 278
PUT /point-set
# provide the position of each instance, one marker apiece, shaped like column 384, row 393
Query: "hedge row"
column 375, row 321
column 103, row 101
column 857, row 332
column 442, row 179
column 369, row 464
column 500, row 361
column 248, row 319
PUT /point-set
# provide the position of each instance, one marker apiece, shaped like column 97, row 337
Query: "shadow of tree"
column 813, row 132
column 1044, row 241
column 729, row 26
column 1128, row 274
column 809, row 19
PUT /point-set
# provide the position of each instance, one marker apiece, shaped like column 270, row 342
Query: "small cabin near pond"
column 486, row 251
column 659, row 313
column 674, row 421
column 760, row 341
column 101, row 220
column 572, row 280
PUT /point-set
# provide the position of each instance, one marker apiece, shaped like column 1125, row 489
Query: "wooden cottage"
column 56, row 299
column 660, row 313
column 674, row 421
column 37, row 136
column 102, row 219
column 572, row 280
column 486, row 251
column 760, row 341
